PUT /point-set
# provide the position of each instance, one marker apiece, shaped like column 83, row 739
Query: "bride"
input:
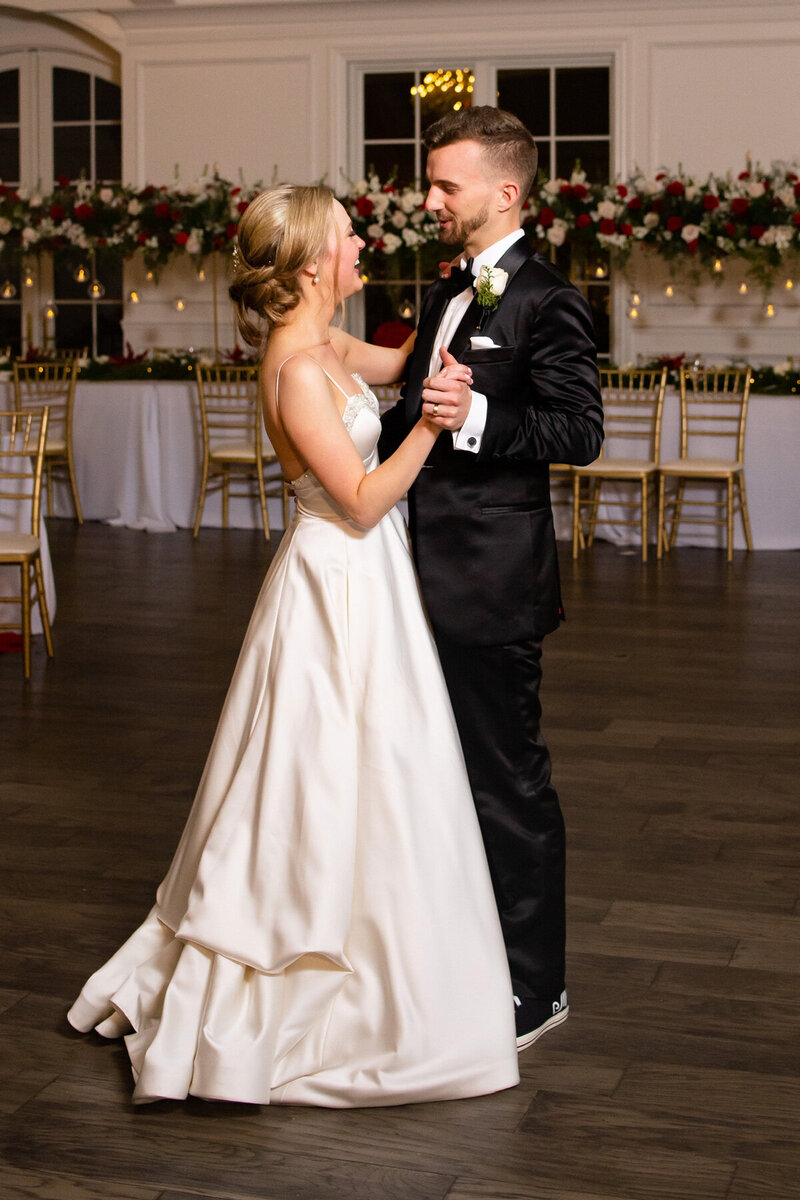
column 326, row 933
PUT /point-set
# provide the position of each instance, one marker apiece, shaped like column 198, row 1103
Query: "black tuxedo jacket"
column 481, row 524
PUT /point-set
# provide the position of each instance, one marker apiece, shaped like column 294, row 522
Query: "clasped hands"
column 446, row 397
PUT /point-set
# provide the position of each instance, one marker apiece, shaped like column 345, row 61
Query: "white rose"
column 399, row 219
column 651, row 220
column 193, row 245
column 134, row 208
column 418, row 217
column 650, row 187
column 607, row 209
column 29, row 235
column 755, row 189
column 786, row 197
column 37, row 201
column 380, row 202
column 641, row 231
column 375, row 231
column 410, row 200
column 5, row 225
column 391, row 242
column 557, row 232
column 495, row 278
column 553, row 186
column 106, row 194
column 692, row 192
column 577, row 177
column 412, row 238
column 690, row 233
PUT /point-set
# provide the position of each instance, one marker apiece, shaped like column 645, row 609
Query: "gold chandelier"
column 439, row 83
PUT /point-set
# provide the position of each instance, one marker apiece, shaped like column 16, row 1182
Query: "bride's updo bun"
column 281, row 232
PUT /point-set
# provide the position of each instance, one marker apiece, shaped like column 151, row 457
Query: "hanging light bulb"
column 149, row 276
column 80, row 274
column 600, row 271
column 407, row 310
column 96, row 290
column 50, row 310
column 633, row 313
column 133, row 296
column 180, row 304
column 742, row 289
column 718, row 266
column 27, row 279
column 769, row 311
column 364, row 277
column 9, row 291
column 201, row 274
column 669, row 291
column 789, row 284
column 636, row 299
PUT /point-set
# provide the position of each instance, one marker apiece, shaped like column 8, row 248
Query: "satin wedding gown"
column 326, row 933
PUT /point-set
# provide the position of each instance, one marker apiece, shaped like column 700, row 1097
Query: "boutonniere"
column 489, row 287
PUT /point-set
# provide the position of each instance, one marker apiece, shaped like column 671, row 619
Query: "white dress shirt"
column 468, row 437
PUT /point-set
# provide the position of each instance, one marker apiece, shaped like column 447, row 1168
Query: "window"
column 10, row 302
column 567, row 108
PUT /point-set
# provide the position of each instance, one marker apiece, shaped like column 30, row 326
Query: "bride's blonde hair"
column 281, row 232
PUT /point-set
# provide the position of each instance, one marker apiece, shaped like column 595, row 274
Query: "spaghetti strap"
column 324, row 372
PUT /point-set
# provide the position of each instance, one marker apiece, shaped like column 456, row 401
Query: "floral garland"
column 753, row 216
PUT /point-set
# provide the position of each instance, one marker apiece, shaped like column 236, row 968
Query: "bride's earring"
column 315, row 280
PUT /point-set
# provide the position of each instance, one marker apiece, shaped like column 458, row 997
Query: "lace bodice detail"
column 366, row 398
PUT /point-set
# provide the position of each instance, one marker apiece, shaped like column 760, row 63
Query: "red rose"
column 101, row 241
column 364, row 206
column 730, row 229
column 63, row 181
column 661, row 175
column 796, row 218
column 176, row 214
column 744, row 175
column 565, row 190
column 181, row 238
column 3, row 190
column 580, row 192
column 757, row 231
column 626, row 228
column 622, row 191
column 56, row 212
column 607, row 225
column 797, row 191
column 766, row 185
column 739, row 205
column 674, row 224
column 582, row 220
column 243, row 206
column 147, row 193
column 710, row 202
column 83, row 211
column 692, row 246
column 635, row 203
column 791, row 176
column 676, row 188
column 142, row 238
column 390, row 191
column 230, row 230
column 218, row 240
column 235, row 191
column 546, row 217
column 162, row 209
column 657, row 205
column 379, row 244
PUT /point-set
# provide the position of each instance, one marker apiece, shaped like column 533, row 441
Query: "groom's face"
column 461, row 195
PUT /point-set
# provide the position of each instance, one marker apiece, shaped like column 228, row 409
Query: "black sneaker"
column 535, row 1017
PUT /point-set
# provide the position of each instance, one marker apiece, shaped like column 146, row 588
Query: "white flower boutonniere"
column 489, row 287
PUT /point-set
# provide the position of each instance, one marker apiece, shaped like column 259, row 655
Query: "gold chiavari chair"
column 713, row 418
column 633, row 406
column 52, row 384
column 23, row 437
column 65, row 352
column 235, row 448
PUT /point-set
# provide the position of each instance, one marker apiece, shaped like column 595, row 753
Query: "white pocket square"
column 482, row 343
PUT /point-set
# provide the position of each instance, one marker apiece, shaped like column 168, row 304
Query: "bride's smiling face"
column 344, row 246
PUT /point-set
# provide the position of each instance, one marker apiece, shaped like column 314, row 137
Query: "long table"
column 137, row 460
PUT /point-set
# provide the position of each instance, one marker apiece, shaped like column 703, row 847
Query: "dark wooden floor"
column 671, row 707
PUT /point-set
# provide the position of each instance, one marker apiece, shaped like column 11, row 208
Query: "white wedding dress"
column 327, row 932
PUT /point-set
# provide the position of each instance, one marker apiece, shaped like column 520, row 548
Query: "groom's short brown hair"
column 508, row 145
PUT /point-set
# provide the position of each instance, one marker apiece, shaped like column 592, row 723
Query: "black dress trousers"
column 495, row 695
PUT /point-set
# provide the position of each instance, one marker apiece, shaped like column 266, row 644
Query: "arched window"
column 59, row 118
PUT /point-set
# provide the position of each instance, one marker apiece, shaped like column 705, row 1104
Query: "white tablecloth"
column 137, row 458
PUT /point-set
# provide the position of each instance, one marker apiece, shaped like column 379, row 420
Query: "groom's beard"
column 459, row 231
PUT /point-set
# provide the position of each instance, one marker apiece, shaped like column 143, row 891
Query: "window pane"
column 108, row 153
column 390, row 161
column 389, row 105
column 526, row 94
column 453, row 89
column 9, row 96
column 65, row 286
column 109, row 329
column 383, row 302
column 70, row 95
column 593, row 156
column 107, row 100
column 73, row 326
column 582, row 100
column 10, row 324
column 71, row 154
column 9, row 155
column 598, row 296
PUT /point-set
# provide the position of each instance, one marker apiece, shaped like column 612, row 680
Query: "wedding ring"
column 435, row 409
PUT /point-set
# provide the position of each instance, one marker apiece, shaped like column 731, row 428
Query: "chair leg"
column 660, row 518
column 645, row 514
column 748, row 537
column 595, row 488
column 73, row 483
column 41, row 597
column 729, row 515
column 48, row 476
column 25, row 603
column 576, row 513
column 285, row 504
column 676, row 513
column 226, row 482
column 263, row 501
column 201, row 499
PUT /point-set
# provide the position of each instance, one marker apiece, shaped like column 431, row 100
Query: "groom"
column 480, row 514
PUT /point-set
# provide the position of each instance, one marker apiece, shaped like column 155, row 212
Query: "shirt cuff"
column 468, row 437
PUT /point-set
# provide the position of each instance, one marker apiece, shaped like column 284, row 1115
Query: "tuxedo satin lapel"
column 423, row 348
column 512, row 260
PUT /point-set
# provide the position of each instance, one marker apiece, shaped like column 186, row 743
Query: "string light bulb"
column 742, row 289
column 407, row 310
column 27, row 279
column 789, row 284
column 9, row 291
column 633, row 313
column 80, row 274
column 50, row 310
column 149, row 276
column 180, row 304
column 461, row 82
column 636, row 299
column 769, row 311
column 600, row 271
column 669, row 291
column 96, row 290
column 718, row 266
column 133, row 296
column 201, row 274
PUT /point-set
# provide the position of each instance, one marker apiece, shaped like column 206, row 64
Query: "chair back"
column 22, row 441
column 714, row 413
column 50, row 384
column 68, row 352
column 633, row 408
column 230, row 408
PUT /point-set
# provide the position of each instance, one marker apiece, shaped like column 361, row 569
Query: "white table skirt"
column 15, row 517
column 137, row 451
